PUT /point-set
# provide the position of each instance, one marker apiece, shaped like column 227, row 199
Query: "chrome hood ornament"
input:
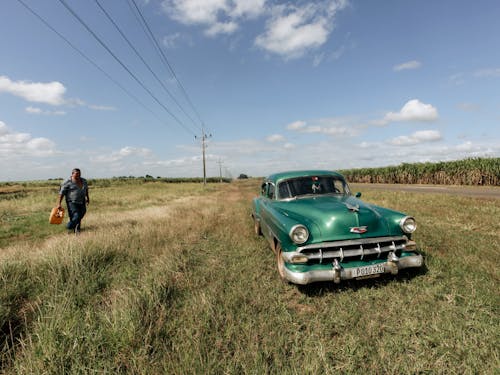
column 352, row 208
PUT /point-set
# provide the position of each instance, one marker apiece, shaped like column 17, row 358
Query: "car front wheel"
column 256, row 227
column 280, row 263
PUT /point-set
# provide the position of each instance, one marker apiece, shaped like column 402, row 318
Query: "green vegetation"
column 169, row 278
column 478, row 171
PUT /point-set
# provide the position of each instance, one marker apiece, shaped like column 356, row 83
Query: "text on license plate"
column 369, row 270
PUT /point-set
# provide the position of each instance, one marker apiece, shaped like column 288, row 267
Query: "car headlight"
column 408, row 224
column 299, row 234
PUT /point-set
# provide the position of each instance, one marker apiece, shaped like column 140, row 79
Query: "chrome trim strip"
column 342, row 254
column 351, row 242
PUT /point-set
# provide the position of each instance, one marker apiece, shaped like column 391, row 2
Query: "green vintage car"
column 319, row 231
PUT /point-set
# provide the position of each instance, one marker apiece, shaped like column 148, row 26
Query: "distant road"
column 470, row 191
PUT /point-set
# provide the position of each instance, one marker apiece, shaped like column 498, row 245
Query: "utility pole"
column 220, row 169
column 204, row 137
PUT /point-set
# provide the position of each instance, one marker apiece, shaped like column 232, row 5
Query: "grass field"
column 169, row 278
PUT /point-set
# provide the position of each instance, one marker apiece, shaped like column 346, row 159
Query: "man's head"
column 75, row 173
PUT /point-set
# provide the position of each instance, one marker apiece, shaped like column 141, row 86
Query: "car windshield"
column 311, row 185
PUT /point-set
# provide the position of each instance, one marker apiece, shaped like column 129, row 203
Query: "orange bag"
column 56, row 215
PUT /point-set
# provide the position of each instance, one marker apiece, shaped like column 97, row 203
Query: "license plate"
column 369, row 270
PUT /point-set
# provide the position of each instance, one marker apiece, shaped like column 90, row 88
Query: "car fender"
column 276, row 225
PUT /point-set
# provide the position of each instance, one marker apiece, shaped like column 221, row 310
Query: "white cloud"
column 33, row 110
column 324, row 126
column 369, row 145
column 457, row 79
column 296, row 125
column 466, row 146
column 137, row 151
column 275, row 138
column 173, row 40
column 49, row 93
column 194, row 11
column 3, row 128
column 101, row 107
column 170, row 41
column 421, row 136
column 75, row 102
column 13, row 145
column 485, row 73
column 341, row 131
column 409, row 65
column 38, row 111
column 40, row 145
column 293, row 30
column 125, row 152
column 180, row 162
column 220, row 16
column 221, row 28
column 247, row 8
column 318, row 59
column 413, row 110
column 469, row 107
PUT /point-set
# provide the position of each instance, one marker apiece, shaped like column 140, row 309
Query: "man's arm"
column 59, row 200
column 62, row 193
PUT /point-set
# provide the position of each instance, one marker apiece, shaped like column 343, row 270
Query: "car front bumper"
column 337, row 273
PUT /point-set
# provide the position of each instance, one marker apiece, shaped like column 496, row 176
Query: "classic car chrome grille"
column 361, row 249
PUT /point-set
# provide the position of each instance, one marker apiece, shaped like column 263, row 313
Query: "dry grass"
column 171, row 279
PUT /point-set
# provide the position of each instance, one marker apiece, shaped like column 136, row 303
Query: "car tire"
column 256, row 227
column 280, row 263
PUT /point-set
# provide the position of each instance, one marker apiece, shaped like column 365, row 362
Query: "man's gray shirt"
column 73, row 192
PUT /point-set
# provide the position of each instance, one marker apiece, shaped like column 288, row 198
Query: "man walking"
column 76, row 192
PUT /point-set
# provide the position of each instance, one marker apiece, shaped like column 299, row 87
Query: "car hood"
column 339, row 217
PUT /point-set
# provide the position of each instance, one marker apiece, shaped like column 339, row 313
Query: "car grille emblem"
column 359, row 230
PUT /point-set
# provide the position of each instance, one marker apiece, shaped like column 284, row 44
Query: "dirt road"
column 471, row 191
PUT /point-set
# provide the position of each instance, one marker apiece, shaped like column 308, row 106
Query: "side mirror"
column 358, row 194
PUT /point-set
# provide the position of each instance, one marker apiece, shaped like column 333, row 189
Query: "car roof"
column 303, row 173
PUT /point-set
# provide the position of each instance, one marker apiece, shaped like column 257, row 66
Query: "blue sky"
column 278, row 85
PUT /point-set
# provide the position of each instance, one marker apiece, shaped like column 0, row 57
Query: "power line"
column 164, row 58
column 142, row 59
column 204, row 135
column 88, row 59
column 63, row 2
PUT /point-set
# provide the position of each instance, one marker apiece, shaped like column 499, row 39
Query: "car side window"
column 284, row 190
column 338, row 187
column 270, row 191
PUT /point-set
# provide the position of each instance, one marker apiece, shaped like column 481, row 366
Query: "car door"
column 268, row 220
